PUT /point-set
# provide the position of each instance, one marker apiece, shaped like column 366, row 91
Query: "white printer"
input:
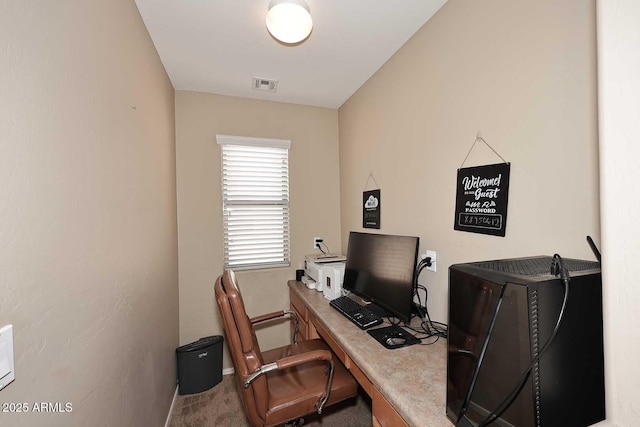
column 324, row 273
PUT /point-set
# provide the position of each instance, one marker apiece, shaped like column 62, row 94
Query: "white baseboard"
column 228, row 371
column 166, row 423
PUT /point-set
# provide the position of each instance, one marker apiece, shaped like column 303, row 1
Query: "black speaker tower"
column 501, row 315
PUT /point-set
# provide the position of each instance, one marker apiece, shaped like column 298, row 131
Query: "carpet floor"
column 221, row 407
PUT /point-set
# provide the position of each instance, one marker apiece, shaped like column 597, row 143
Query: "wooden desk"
column 407, row 385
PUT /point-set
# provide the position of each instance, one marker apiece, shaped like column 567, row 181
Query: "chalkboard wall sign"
column 481, row 199
column 371, row 209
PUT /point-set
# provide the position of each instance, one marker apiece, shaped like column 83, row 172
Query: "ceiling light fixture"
column 289, row 20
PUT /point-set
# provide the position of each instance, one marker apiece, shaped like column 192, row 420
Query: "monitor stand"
column 373, row 307
column 380, row 311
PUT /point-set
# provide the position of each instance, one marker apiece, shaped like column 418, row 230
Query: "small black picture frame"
column 371, row 209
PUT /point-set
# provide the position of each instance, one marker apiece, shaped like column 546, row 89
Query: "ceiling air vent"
column 265, row 85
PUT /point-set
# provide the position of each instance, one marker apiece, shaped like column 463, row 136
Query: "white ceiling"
column 217, row 46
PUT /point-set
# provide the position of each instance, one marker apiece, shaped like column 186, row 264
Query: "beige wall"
column 619, row 91
column 314, row 199
column 521, row 72
column 88, row 245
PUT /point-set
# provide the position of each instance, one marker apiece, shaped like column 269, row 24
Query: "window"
column 255, row 202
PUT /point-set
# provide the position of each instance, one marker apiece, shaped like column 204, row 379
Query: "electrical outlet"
column 432, row 255
column 316, row 242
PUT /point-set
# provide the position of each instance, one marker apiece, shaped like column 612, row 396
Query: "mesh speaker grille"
column 535, row 266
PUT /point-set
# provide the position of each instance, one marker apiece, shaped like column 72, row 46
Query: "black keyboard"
column 353, row 311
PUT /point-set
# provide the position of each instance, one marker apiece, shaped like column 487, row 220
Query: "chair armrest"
column 265, row 317
column 277, row 314
column 299, row 359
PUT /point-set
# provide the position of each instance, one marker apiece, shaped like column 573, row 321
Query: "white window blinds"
column 255, row 197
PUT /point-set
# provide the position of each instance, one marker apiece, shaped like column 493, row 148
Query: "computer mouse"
column 395, row 340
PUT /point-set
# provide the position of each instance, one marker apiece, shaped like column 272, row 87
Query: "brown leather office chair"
column 285, row 383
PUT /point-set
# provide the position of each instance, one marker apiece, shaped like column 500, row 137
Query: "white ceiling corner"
column 218, row 46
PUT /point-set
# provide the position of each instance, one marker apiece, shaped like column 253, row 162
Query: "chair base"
column 295, row 423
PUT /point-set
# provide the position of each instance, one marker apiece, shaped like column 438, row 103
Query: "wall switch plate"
column 7, row 369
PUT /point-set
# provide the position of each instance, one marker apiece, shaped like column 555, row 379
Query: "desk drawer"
column 299, row 306
column 384, row 414
column 331, row 342
column 303, row 332
column 362, row 379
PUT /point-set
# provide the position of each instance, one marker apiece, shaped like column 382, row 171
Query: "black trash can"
column 199, row 365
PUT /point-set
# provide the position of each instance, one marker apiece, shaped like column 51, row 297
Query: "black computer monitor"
column 381, row 268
